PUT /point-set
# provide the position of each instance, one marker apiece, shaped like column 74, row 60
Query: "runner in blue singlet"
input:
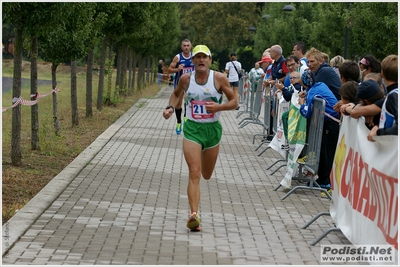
column 181, row 64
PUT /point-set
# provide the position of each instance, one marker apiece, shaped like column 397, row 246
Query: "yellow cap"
column 201, row 49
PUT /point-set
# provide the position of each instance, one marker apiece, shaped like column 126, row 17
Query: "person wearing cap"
column 265, row 65
column 330, row 133
column 232, row 70
column 202, row 132
column 181, row 64
column 368, row 92
column 387, row 107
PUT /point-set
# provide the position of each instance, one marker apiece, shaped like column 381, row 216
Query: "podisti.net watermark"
column 361, row 253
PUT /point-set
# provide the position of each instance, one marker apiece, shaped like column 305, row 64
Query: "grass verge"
column 21, row 184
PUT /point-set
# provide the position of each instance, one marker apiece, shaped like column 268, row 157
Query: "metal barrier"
column 275, row 130
column 313, row 150
column 244, row 95
column 267, row 116
column 255, row 106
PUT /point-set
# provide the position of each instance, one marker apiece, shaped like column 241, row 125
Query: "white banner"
column 279, row 138
column 364, row 180
column 296, row 138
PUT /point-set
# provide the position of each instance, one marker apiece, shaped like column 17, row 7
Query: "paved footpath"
column 123, row 201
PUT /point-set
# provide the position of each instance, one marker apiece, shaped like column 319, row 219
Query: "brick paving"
column 123, row 201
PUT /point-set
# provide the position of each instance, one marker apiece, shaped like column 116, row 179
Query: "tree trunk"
column 89, row 78
column 74, row 96
column 148, row 70
column 119, row 73
column 35, row 144
column 54, row 94
column 107, row 99
column 141, row 80
column 130, row 58
column 134, row 74
column 155, row 74
column 101, row 75
column 124, row 66
column 16, row 157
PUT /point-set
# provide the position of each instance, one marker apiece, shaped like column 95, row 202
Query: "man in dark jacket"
column 323, row 71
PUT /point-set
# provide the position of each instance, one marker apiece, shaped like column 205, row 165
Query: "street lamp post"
column 346, row 38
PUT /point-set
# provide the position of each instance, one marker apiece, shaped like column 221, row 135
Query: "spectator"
column 323, row 71
column 326, row 57
column 330, row 131
column 348, row 92
column 265, row 65
column 389, row 109
column 336, row 62
column 279, row 71
column 349, row 71
column 256, row 73
column 267, row 53
column 287, row 91
column 299, row 50
column 378, row 78
column 368, row 93
column 369, row 64
column 160, row 71
column 232, row 69
column 279, row 68
column 293, row 63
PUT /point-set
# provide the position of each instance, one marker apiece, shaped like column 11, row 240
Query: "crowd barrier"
column 277, row 130
column 311, row 150
column 255, row 106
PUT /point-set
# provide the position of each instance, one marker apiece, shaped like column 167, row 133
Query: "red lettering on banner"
column 371, row 193
column 344, row 184
column 362, row 198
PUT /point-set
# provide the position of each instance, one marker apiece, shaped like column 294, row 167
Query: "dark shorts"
column 234, row 84
column 206, row 134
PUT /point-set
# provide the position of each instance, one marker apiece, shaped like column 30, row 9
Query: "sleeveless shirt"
column 188, row 67
column 387, row 120
column 201, row 92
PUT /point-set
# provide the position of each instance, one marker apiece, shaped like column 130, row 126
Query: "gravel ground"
column 7, row 83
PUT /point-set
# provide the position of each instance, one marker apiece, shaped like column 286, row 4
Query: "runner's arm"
column 173, row 66
column 175, row 96
column 222, row 84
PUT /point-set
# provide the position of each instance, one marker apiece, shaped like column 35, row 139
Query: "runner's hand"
column 167, row 113
column 212, row 107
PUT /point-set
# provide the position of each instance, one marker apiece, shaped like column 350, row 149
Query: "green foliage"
column 215, row 65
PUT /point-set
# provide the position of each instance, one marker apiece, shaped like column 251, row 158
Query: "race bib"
column 199, row 110
column 187, row 70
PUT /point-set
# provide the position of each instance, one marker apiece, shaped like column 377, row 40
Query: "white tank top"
column 196, row 93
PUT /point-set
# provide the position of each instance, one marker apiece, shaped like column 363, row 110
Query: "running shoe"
column 178, row 128
column 197, row 229
column 184, row 118
column 193, row 222
column 323, row 194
